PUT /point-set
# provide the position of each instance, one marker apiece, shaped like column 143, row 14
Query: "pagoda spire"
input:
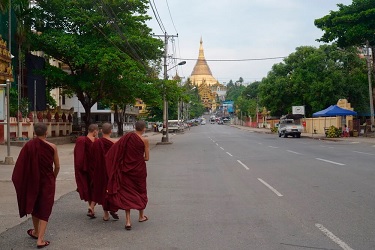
column 201, row 67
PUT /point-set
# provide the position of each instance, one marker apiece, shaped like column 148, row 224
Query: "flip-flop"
column 114, row 215
column 144, row 219
column 90, row 213
column 30, row 233
column 128, row 227
column 46, row 243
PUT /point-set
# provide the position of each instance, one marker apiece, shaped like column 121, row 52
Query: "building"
column 210, row 90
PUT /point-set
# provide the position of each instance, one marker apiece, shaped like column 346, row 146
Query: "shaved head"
column 107, row 128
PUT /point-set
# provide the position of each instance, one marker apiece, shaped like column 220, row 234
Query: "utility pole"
column 165, row 138
column 369, row 84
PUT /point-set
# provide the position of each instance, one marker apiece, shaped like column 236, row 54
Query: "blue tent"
column 334, row 110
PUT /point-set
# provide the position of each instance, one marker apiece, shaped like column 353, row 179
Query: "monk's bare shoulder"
column 52, row 145
column 114, row 140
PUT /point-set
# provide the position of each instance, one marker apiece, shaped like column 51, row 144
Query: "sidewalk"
column 359, row 139
column 65, row 182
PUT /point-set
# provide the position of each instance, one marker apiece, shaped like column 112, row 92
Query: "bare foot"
column 143, row 219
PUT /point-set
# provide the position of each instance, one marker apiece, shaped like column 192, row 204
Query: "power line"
column 171, row 16
column 157, row 17
column 234, row 60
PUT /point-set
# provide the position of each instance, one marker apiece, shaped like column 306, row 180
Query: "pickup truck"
column 289, row 127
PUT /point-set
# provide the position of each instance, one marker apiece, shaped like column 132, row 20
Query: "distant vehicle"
column 175, row 125
column 289, row 127
column 203, row 122
column 220, row 122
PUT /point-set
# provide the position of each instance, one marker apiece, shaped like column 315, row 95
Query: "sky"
column 239, row 29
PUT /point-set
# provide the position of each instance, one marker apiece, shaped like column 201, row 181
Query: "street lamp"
column 165, row 138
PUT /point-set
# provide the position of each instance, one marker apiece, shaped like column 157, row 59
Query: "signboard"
column 2, row 103
column 298, row 110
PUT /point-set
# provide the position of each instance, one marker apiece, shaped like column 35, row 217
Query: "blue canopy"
column 334, row 110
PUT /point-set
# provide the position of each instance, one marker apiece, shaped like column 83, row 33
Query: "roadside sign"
column 298, row 110
column 2, row 103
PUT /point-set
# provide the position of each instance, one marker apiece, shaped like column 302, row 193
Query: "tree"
column 351, row 25
column 315, row 77
column 105, row 45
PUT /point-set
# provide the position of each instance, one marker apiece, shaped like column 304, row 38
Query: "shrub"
column 333, row 132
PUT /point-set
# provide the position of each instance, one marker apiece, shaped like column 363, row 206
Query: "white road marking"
column 217, row 144
column 333, row 162
column 229, row 154
column 294, row 152
column 262, row 143
column 333, row 237
column 272, row 147
column 222, row 148
column 363, row 153
column 355, row 142
column 270, row 187
column 213, row 141
column 243, row 164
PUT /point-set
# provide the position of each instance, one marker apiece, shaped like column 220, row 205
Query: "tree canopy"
column 106, row 46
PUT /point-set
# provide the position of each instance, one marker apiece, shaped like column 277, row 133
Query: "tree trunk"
column 118, row 120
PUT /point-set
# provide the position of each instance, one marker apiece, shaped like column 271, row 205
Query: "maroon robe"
column 126, row 169
column 83, row 167
column 99, row 150
column 34, row 179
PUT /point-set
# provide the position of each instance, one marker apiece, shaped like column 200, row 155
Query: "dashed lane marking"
column 333, row 237
column 270, row 187
column 222, row 148
column 240, row 162
column 294, row 152
column 333, row 162
column 229, row 154
column 272, row 147
column 363, row 153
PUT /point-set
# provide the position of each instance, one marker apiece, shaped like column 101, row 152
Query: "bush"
column 333, row 132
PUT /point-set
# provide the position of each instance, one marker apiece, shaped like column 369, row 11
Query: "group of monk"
column 108, row 172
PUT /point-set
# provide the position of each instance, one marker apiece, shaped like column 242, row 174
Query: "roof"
column 334, row 110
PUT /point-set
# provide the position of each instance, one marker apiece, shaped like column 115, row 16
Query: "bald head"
column 40, row 129
column 140, row 125
column 107, row 128
column 93, row 128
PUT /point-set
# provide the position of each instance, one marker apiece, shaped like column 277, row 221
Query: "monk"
column 126, row 169
column 100, row 148
column 34, row 179
column 83, row 167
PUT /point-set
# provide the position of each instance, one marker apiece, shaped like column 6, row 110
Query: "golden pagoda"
column 206, row 83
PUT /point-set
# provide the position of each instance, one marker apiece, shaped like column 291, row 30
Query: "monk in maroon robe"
column 126, row 168
column 100, row 148
column 83, row 167
column 34, row 179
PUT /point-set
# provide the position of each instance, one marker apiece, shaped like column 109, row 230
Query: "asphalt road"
column 217, row 187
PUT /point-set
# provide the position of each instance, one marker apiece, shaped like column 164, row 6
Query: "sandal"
column 128, row 227
column 91, row 213
column 46, row 243
column 146, row 219
column 30, row 233
column 114, row 215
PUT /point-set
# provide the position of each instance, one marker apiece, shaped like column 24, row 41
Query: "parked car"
column 203, row 122
column 220, row 122
column 289, row 127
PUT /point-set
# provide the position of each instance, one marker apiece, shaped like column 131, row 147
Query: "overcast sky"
column 240, row 29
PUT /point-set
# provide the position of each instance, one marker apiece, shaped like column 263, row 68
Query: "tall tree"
column 351, row 25
column 316, row 78
column 103, row 43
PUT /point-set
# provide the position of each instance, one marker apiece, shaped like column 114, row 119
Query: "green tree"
column 105, row 45
column 351, row 25
column 316, row 78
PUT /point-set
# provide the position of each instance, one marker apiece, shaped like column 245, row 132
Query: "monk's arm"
column 147, row 150
column 56, row 162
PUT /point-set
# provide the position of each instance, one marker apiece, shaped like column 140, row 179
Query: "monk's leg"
column 142, row 217
column 42, row 231
column 127, row 218
column 91, row 212
column 106, row 215
column 36, row 226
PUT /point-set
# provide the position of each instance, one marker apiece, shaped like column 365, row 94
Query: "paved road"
column 217, row 187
